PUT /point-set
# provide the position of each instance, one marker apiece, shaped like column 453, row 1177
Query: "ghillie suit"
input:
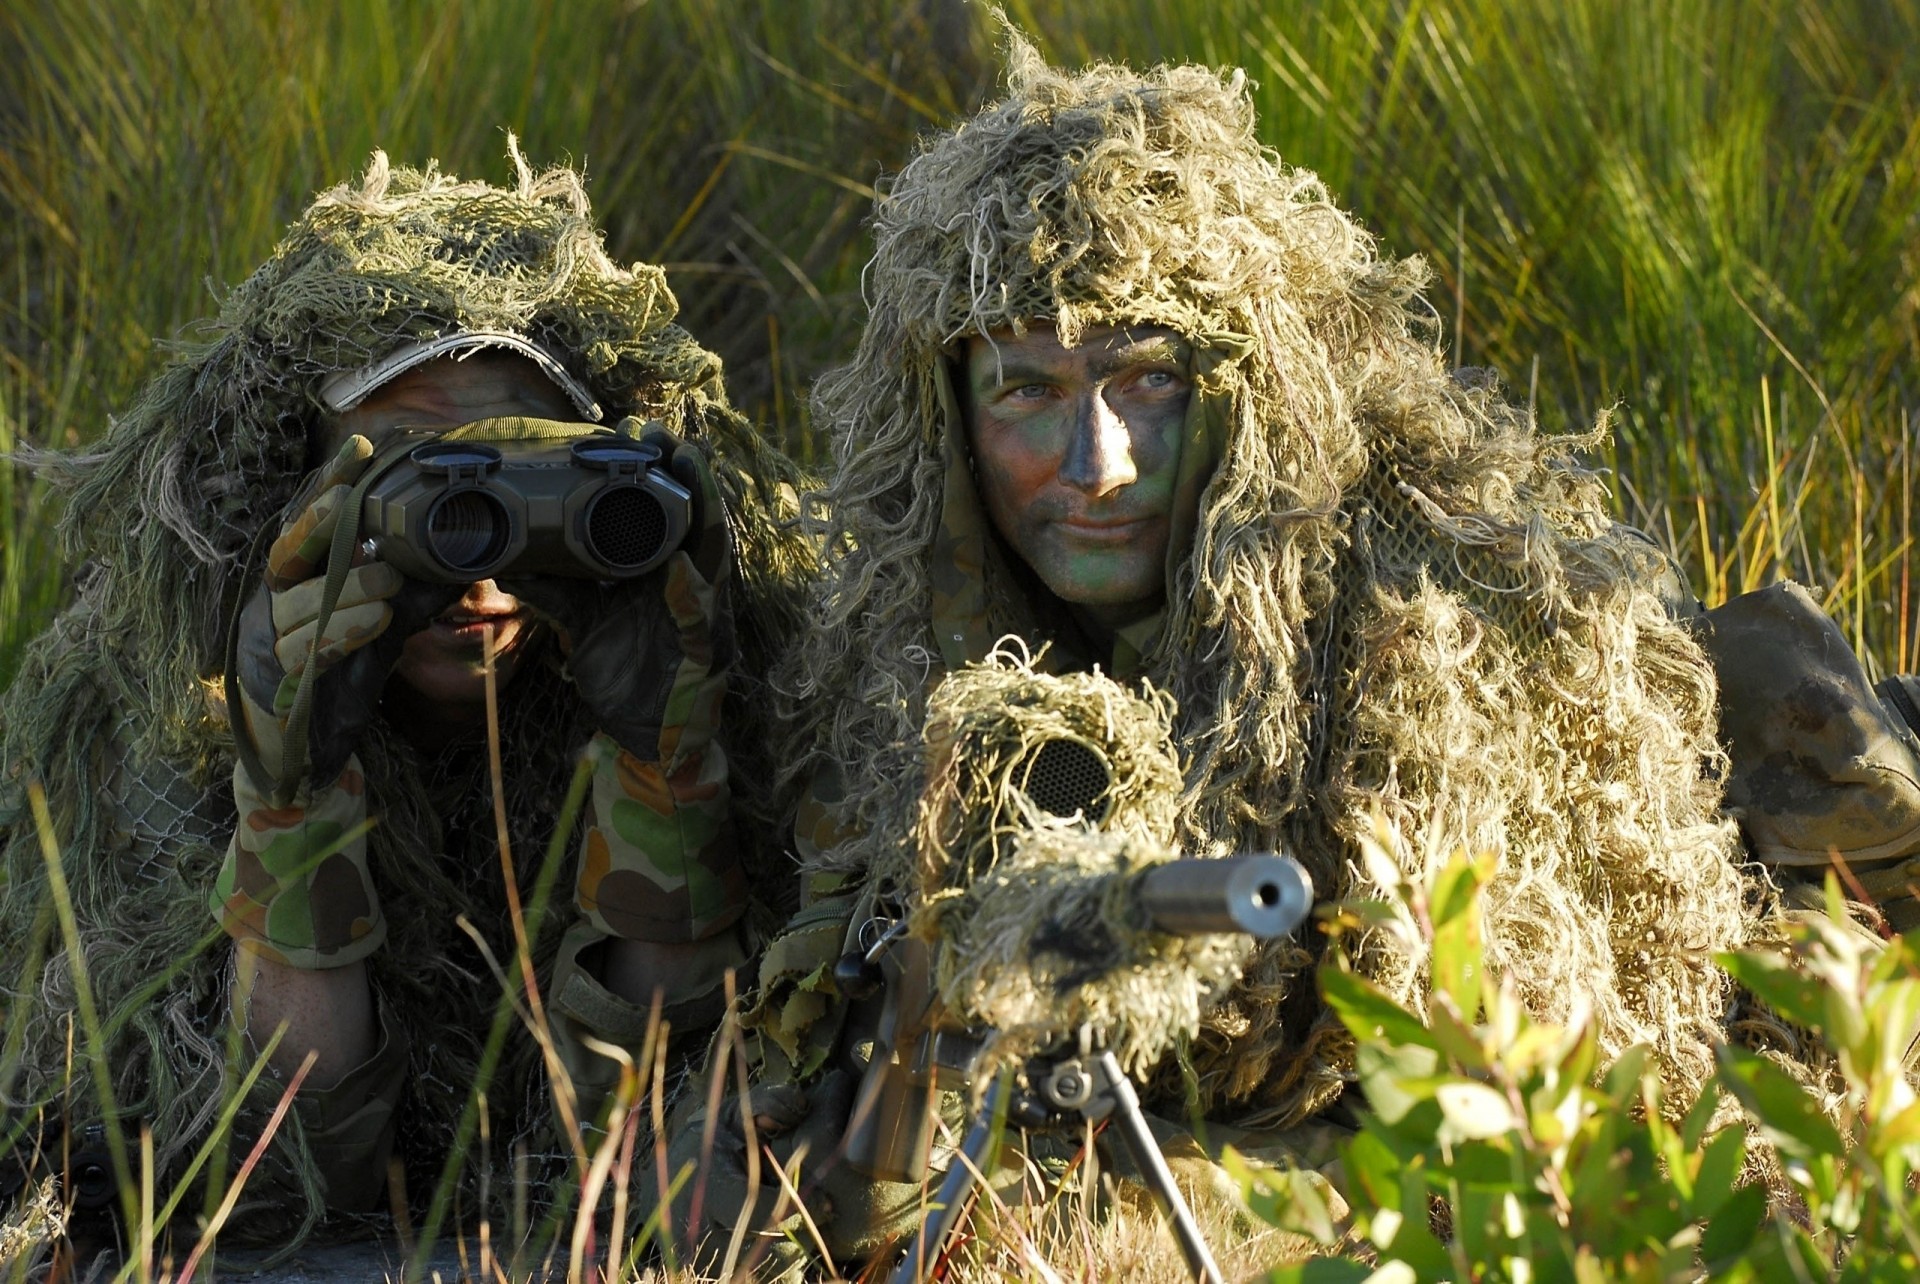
column 117, row 716
column 1386, row 590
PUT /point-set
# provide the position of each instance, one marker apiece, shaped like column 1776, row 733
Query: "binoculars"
column 525, row 497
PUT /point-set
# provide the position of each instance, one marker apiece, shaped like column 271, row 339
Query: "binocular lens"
column 625, row 527
column 467, row 531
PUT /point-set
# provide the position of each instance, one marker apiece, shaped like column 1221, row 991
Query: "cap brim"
column 344, row 391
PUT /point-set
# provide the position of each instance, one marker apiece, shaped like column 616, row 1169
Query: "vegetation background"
column 1705, row 215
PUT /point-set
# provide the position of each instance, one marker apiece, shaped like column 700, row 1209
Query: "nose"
column 487, row 597
column 1099, row 457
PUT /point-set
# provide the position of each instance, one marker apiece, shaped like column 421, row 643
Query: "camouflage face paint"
column 1076, row 451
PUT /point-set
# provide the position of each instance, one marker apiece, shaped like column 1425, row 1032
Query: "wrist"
column 295, row 885
column 658, row 861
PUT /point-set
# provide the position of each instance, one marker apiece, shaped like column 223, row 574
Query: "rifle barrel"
column 1263, row 895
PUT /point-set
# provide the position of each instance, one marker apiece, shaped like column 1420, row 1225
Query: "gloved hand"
column 799, row 1128
column 295, row 884
column 649, row 658
column 377, row 610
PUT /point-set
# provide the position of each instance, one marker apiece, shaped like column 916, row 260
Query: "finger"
column 708, row 541
column 302, row 547
column 691, row 599
column 347, row 463
column 347, row 631
column 300, row 604
column 568, row 606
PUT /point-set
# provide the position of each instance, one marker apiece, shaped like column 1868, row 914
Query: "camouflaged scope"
column 516, row 497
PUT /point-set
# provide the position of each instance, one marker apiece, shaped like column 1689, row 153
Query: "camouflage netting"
column 1039, row 931
column 1397, row 593
column 116, row 715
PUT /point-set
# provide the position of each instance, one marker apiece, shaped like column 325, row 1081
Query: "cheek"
column 1013, row 463
column 1156, row 436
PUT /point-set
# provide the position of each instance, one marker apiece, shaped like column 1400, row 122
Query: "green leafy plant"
column 1495, row 1147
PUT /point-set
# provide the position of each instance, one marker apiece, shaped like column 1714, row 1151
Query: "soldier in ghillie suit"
column 1136, row 392
column 343, row 905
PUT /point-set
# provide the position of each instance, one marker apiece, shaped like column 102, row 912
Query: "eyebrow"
column 1022, row 372
column 1012, row 373
column 1155, row 348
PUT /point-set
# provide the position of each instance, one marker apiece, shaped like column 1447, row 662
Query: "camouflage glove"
column 295, row 885
column 798, row 1128
column 649, row 658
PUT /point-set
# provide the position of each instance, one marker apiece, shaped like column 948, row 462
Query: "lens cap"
column 609, row 450
column 451, row 457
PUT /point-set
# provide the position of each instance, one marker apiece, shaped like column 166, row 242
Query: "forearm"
column 634, row 970
column 325, row 1011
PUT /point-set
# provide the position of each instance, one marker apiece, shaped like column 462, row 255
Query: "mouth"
column 471, row 626
column 1105, row 529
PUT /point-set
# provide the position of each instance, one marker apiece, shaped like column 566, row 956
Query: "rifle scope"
column 1262, row 894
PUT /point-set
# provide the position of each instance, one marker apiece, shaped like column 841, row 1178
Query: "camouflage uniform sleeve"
column 295, row 886
column 658, row 861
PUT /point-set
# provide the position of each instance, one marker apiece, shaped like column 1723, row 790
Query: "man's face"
column 445, row 662
column 1076, row 451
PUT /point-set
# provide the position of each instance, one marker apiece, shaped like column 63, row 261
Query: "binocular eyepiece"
column 589, row 504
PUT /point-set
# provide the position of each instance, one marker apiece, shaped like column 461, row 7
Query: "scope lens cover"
column 607, row 450
column 1065, row 777
column 455, row 456
column 625, row 527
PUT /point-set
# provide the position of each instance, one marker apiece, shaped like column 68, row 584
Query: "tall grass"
column 1699, row 215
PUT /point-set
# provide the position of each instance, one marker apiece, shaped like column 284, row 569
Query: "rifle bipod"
column 1073, row 1090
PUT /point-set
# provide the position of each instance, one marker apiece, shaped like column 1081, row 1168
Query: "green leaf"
column 1490, row 1165
column 1372, row 1169
column 1323, row 1270
column 1893, row 1012
column 1456, row 889
column 1459, row 1040
column 1787, row 1116
column 1473, row 1111
column 1700, row 1117
column 1900, row 958
column 1396, row 1078
column 1730, row 1231
column 1626, row 1075
column 1901, row 1130
column 1714, row 1181
column 1291, row 1198
column 1413, row 1242
column 1582, row 1057
column 1775, row 981
column 1369, row 1013
column 1459, row 956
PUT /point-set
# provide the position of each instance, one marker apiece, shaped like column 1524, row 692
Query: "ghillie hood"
column 114, row 714
column 1395, row 595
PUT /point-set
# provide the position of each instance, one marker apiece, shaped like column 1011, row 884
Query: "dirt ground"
column 360, row 1262
column 357, row 1261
